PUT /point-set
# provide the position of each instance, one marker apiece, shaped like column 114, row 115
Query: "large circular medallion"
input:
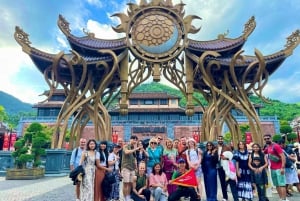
column 156, row 36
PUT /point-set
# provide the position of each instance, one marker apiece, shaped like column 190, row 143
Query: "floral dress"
column 87, row 184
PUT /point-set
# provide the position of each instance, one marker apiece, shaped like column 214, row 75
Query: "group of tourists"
column 147, row 171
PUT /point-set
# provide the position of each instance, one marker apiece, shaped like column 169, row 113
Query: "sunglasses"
column 267, row 138
column 153, row 143
column 159, row 138
column 209, row 145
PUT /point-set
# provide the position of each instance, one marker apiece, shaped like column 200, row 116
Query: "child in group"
column 259, row 178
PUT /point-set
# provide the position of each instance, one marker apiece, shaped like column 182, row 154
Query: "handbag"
column 110, row 178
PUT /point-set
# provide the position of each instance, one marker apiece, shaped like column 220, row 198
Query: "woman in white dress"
column 88, row 161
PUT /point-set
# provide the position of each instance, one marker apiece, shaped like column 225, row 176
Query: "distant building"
column 149, row 114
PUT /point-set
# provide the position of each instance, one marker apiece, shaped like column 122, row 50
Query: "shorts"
column 278, row 179
column 127, row 175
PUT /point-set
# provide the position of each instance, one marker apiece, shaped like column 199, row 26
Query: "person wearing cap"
column 194, row 158
column 113, row 163
column 129, row 166
column 182, row 191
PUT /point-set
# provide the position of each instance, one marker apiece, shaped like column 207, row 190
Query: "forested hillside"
column 16, row 108
column 13, row 105
column 283, row 111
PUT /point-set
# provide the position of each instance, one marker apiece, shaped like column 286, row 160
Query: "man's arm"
column 72, row 160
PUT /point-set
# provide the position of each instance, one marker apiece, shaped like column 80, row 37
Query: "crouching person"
column 140, row 191
column 183, row 190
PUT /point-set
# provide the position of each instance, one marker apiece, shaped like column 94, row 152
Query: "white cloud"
column 13, row 61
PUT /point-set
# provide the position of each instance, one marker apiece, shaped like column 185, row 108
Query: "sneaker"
column 77, row 199
column 224, row 199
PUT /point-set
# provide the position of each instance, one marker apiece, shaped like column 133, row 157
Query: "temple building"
column 149, row 114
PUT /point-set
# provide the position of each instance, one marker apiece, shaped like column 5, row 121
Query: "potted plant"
column 28, row 152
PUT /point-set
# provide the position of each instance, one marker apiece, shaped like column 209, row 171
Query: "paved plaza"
column 57, row 189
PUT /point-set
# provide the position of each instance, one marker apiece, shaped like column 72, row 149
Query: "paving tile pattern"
column 59, row 189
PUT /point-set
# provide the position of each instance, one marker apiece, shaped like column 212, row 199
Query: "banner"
column 5, row 142
column 13, row 138
column 188, row 179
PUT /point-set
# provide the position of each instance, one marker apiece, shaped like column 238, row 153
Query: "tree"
column 31, row 146
column 3, row 115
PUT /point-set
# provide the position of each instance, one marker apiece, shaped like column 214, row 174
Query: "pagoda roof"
column 89, row 45
column 44, row 60
column 223, row 45
column 272, row 62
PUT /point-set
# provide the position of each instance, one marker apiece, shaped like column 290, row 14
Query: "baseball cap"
column 181, row 160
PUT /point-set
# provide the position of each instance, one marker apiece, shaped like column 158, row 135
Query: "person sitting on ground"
column 158, row 183
column 183, row 191
column 140, row 191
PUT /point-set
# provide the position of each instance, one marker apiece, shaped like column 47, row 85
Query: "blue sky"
column 275, row 19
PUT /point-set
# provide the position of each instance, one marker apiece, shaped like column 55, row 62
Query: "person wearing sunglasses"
column 277, row 165
column 154, row 155
column 209, row 168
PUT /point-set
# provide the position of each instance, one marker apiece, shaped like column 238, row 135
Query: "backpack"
column 288, row 162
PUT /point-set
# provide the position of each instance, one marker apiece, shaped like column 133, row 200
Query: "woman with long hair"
column 244, row 186
column 169, row 163
column 141, row 154
column 88, row 160
column 209, row 168
column 158, row 183
column 100, row 173
column 258, row 163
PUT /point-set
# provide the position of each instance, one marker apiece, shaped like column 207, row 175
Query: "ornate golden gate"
column 157, row 45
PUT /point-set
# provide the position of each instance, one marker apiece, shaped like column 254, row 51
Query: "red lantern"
column 5, row 142
column 13, row 138
column 248, row 137
column 196, row 136
column 114, row 137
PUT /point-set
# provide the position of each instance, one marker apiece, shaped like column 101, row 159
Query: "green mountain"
column 14, row 106
column 284, row 111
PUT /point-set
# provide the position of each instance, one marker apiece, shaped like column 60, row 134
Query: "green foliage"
column 283, row 111
column 291, row 137
column 31, row 146
column 227, row 138
column 284, row 129
column 276, row 138
column 3, row 115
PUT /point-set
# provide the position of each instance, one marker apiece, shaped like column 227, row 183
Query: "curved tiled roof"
column 96, row 43
column 218, row 45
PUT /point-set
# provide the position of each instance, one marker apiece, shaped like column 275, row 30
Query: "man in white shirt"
column 75, row 160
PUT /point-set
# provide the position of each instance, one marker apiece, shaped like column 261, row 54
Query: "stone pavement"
column 58, row 189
